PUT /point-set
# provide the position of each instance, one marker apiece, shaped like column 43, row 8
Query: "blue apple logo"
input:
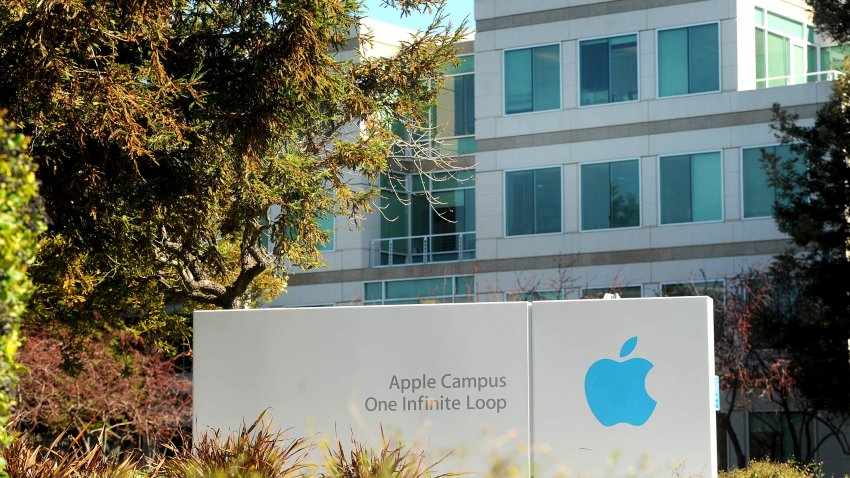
column 616, row 391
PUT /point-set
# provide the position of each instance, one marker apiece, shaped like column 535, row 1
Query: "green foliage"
column 767, row 469
column 832, row 17
column 20, row 224
column 166, row 131
column 813, row 211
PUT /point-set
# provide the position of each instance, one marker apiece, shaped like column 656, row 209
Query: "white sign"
column 597, row 388
column 624, row 386
column 447, row 378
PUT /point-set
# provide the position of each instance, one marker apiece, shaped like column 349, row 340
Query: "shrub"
column 388, row 462
column 767, row 469
column 20, row 223
column 26, row 461
column 252, row 452
column 119, row 395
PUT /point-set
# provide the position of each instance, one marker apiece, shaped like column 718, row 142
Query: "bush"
column 252, row 452
column 20, row 223
column 388, row 462
column 120, row 394
column 27, row 461
column 767, row 469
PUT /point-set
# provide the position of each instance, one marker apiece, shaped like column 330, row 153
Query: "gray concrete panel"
column 647, row 128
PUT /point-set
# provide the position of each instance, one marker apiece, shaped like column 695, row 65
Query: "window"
column 627, row 292
column 327, row 224
column 772, row 437
column 610, row 195
column 533, row 201
column 787, row 52
column 759, row 195
column 688, row 60
column 532, row 79
column 714, row 289
column 454, row 115
column 450, row 127
column 420, row 291
column 783, row 54
column 832, row 59
column 609, row 70
column 426, row 219
column 534, row 295
column 691, row 188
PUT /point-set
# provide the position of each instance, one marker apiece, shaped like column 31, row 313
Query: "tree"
column 165, row 131
column 20, row 224
column 812, row 209
column 832, row 17
column 757, row 376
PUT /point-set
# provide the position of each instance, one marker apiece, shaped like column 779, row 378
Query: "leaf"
column 628, row 346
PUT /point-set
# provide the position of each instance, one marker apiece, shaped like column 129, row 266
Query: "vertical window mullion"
column 692, row 180
column 610, row 72
column 534, row 91
column 688, row 59
column 534, row 203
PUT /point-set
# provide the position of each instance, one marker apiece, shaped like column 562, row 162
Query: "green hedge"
column 21, row 221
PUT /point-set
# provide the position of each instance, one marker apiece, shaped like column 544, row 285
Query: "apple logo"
column 616, row 391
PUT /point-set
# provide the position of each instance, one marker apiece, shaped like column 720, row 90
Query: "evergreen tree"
column 833, row 18
column 813, row 208
column 165, row 131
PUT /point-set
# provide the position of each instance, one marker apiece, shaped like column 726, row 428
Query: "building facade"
column 608, row 146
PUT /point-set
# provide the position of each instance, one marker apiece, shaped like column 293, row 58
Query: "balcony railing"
column 399, row 251
column 799, row 79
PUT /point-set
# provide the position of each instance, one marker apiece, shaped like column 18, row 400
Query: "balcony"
column 401, row 251
column 826, row 75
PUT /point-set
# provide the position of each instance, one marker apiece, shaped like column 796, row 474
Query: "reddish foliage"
column 131, row 396
column 758, row 375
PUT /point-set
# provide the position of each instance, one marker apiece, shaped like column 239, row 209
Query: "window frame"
column 437, row 138
column 505, row 202
column 578, row 69
column 560, row 292
column 719, row 60
column 722, row 188
column 722, row 281
column 640, row 197
column 741, row 178
column 409, row 190
column 584, row 290
column 560, row 107
column 332, row 236
column 792, row 42
column 383, row 282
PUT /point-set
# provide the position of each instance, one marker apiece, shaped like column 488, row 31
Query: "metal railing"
column 398, row 251
column 799, row 79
